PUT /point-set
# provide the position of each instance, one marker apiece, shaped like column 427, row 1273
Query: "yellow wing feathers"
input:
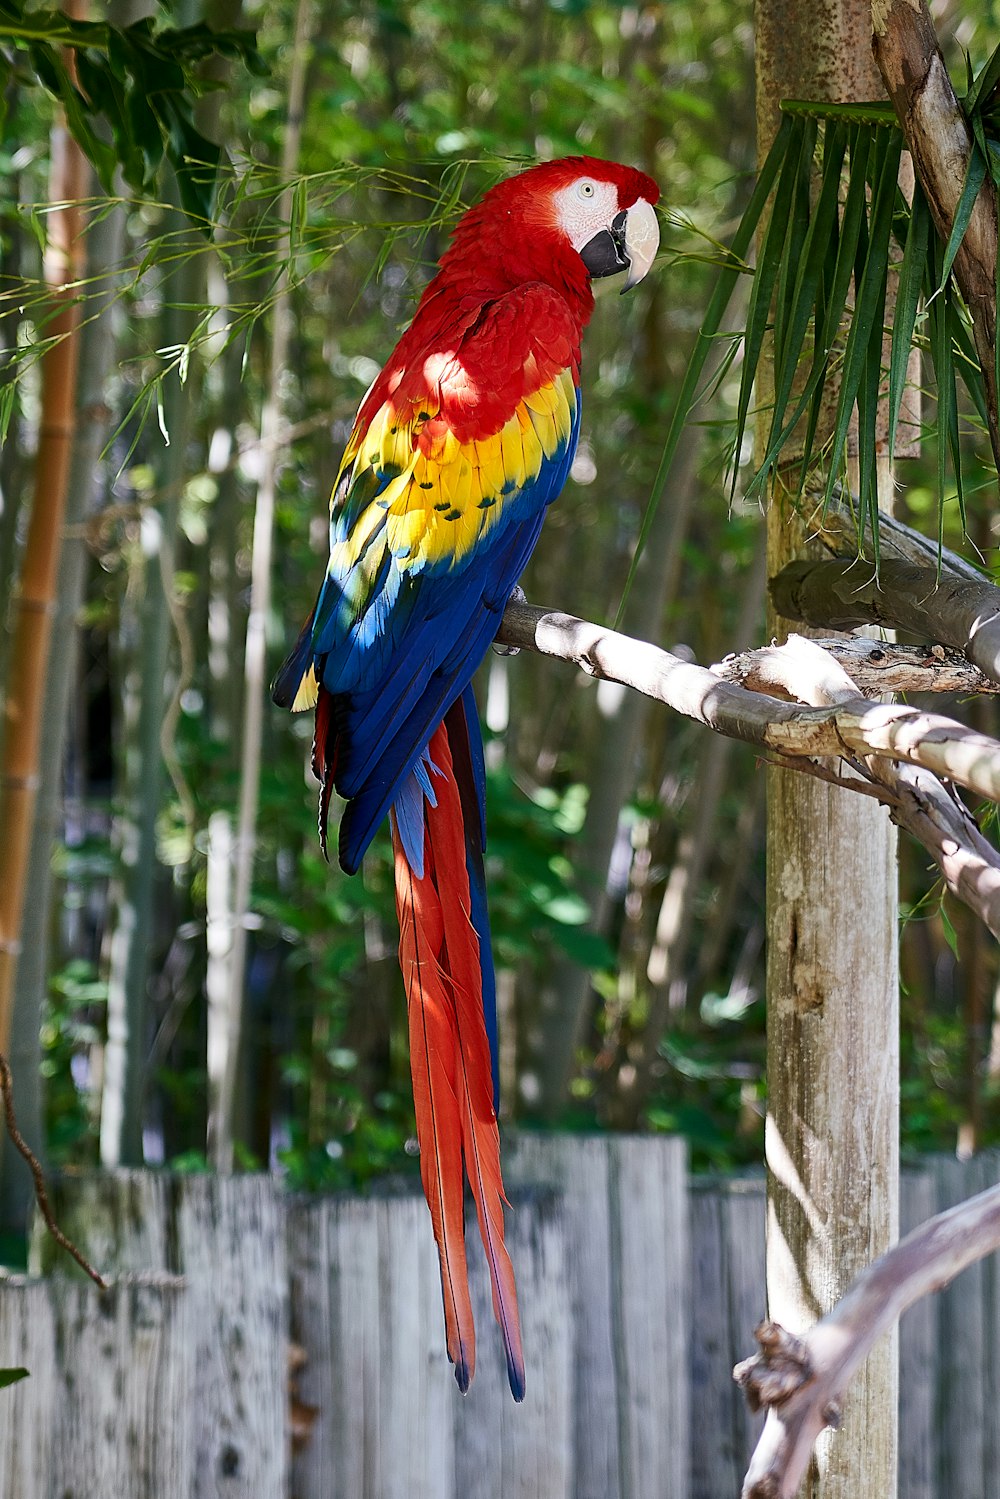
column 440, row 496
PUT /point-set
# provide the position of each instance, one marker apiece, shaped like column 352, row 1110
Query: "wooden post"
column 832, row 978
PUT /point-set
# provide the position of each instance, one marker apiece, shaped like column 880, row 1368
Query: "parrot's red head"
column 564, row 222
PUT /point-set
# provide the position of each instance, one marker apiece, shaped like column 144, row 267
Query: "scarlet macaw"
column 460, row 445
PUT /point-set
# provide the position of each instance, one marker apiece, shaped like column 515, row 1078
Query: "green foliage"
column 12, row 1376
column 412, row 109
column 136, row 84
column 71, row 1027
column 818, row 245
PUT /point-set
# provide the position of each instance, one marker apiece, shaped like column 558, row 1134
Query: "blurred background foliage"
column 626, row 846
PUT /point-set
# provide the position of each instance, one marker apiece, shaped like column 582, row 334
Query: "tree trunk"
column 225, row 1045
column 832, row 981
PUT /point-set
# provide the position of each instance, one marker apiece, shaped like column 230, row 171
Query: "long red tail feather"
column 433, row 1047
column 451, row 1065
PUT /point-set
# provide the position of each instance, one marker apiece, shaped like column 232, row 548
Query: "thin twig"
column 38, row 1177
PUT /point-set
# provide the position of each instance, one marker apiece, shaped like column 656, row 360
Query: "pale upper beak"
column 629, row 244
column 642, row 240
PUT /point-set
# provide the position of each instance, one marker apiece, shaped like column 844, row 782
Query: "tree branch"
column 801, row 1380
column 866, row 739
column 874, row 666
column 841, row 593
column 849, row 728
column 918, row 801
column 938, row 136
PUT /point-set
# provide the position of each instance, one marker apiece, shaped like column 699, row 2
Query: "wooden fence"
column 639, row 1290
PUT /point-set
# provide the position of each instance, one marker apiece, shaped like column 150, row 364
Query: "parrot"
column 462, row 442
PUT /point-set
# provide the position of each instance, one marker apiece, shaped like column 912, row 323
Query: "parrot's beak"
column 642, row 240
column 630, row 245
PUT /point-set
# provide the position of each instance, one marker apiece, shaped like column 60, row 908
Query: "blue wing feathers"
column 396, row 644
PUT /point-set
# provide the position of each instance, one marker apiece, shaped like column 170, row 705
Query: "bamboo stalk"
column 225, row 1062
column 40, row 565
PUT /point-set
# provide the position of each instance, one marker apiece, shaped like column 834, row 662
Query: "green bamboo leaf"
column 769, row 263
column 968, row 358
column 911, row 274
column 811, row 261
column 986, row 81
column 12, row 1376
column 795, row 232
column 942, row 356
column 951, row 411
column 963, row 213
column 832, row 312
column 868, row 411
column 707, row 334
column 869, row 308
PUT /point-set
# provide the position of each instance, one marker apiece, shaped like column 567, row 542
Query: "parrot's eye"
column 586, row 189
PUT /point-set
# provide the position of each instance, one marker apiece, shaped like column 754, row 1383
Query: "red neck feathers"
column 511, row 238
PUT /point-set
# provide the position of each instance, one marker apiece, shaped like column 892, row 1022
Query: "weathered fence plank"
column 226, row 1237
column 230, row 1237
column 503, row 1450
column 120, row 1219
column 987, row 1170
column 366, row 1310
column 626, row 1335
column 728, row 1301
column 123, row 1419
column 961, row 1397
column 917, row 1357
column 27, row 1428
column 105, row 1410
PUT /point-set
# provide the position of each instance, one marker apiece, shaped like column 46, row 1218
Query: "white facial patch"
column 585, row 208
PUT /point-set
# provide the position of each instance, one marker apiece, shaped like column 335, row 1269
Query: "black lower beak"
column 605, row 254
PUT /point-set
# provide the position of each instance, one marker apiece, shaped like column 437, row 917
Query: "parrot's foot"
column 518, row 596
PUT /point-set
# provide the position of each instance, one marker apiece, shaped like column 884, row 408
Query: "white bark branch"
column 918, row 801
column 954, row 609
column 852, row 727
column 801, row 1380
column 851, row 741
column 875, row 667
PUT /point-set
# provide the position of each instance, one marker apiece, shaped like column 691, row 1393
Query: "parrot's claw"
column 518, row 596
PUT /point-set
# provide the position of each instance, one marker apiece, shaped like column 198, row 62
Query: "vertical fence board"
column 120, row 1219
column 728, row 1300
column 961, row 1360
column 503, row 1450
column 415, row 1451
column 917, row 1356
column 986, row 1173
column 651, row 1272
column 27, row 1426
column 366, row 1308
column 230, row 1234
column 578, row 1166
column 126, row 1357
column 617, row 1327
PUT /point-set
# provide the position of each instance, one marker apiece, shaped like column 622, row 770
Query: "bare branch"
column 38, row 1176
column 843, row 593
column 940, row 141
column 918, row 801
column 875, row 667
column 801, row 1379
column 852, row 728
